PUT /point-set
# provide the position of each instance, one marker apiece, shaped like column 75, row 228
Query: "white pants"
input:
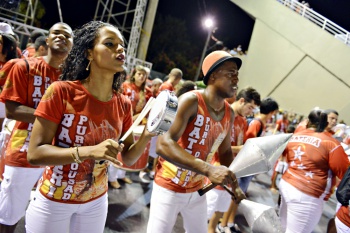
column 166, row 205
column 217, row 201
column 15, row 192
column 299, row 212
column 115, row 173
column 44, row 215
column 341, row 227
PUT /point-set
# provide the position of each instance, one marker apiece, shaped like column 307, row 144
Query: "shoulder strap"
column 261, row 127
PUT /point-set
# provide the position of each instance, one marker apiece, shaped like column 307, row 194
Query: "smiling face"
column 60, row 39
column 108, row 52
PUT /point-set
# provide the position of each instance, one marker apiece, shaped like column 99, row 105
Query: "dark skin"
column 220, row 86
column 108, row 46
column 59, row 43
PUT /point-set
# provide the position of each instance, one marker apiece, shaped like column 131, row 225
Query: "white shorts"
column 167, row 204
column 15, row 192
column 44, row 215
column 341, row 227
column 299, row 212
column 217, row 201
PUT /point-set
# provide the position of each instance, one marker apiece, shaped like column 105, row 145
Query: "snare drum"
column 142, row 162
column 163, row 112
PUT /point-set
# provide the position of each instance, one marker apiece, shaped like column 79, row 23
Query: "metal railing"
column 324, row 23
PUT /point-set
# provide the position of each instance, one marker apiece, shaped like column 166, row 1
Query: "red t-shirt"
column 201, row 135
column 26, row 89
column 28, row 52
column 5, row 69
column 137, row 96
column 83, row 121
column 282, row 125
column 253, row 130
column 166, row 86
column 314, row 160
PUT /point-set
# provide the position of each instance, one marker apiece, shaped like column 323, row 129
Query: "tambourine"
column 163, row 113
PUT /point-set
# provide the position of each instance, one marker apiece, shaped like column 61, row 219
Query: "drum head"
column 156, row 114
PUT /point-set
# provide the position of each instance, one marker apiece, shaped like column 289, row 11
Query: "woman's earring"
column 88, row 66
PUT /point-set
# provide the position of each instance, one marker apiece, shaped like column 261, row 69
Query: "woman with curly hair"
column 79, row 122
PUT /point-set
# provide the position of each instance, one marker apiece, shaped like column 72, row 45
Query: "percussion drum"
column 162, row 116
column 142, row 162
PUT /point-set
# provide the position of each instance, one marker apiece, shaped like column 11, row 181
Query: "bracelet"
column 75, row 155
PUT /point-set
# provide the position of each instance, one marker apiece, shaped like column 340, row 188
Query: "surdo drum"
column 163, row 112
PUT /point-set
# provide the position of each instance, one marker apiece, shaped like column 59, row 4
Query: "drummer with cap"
column 201, row 127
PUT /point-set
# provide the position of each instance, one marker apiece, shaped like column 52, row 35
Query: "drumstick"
column 143, row 113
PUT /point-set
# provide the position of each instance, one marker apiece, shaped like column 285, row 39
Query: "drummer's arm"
column 19, row 112
column 167, row 145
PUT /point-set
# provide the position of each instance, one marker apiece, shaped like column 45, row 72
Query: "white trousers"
column 44, row 215
column 299, row 212
column 15, row 192
column 341, row 227
column 166, row 205
column 115, row 173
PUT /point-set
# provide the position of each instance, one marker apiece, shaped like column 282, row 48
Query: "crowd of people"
column 71, row 99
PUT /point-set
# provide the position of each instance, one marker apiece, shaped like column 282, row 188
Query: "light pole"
column 208, row 24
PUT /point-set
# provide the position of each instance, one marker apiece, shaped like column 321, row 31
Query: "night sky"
column 234, row 26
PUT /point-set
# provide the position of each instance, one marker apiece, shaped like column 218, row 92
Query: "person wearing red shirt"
column 25, row 85
column 218, row 199
column 332, row 118
column 75, row 135
column 201, row 127
column 282, row 124
column 174, row 78
column 314, row 160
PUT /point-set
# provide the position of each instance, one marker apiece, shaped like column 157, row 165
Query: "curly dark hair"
column 74, row 67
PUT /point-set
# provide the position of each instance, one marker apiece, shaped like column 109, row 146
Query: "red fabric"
column 137, row 96
column 198, row 139
column 282, row 125
column 343, row 215
column 166, row 86
column 253, row 129
column 5, row 69
column 28, row 90
column 314, row 160
column 82, row 121
column 28, row 52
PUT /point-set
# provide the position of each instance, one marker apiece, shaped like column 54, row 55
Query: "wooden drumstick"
column 143, row 113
